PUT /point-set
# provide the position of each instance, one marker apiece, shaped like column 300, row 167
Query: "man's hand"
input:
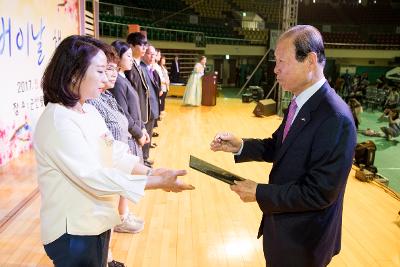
column 142, row 140
column 246, row 190
column 146, row 134
column 226, row 142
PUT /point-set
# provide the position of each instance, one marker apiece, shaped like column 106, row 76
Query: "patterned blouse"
column 114, row 117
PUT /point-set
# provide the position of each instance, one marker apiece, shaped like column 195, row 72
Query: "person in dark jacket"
column 175, row 70
column 312, row 153
column 138, row 43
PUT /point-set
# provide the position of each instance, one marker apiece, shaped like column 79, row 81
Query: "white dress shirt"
column 303, row 97
column 137, row 62
column 81, row 170
column 177, row 65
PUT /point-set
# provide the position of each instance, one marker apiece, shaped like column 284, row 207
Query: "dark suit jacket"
column 139, row 84
column 128, row 99
column 174, row 76
column 154, row 85
column 303, row 202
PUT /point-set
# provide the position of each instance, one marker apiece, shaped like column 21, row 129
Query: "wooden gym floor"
column 209, row 226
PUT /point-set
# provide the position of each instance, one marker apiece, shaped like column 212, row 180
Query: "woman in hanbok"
column 192, row 95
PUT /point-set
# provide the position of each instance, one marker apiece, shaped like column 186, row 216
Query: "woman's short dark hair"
column 306, row 39
column 136, row 38
column 66, row 70
column 202, row 57
column 162, row 57
column 120, row 47
column 111, row 53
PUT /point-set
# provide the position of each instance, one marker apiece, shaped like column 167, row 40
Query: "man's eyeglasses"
column 145, row 45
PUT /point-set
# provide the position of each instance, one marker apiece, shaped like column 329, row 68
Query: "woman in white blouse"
column 81, row 168
column 163, row 73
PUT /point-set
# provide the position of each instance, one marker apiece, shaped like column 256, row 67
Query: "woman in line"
column 128, row 99
column 117, row 123
column 80, row 165
column 192, row 95
column 163, row 73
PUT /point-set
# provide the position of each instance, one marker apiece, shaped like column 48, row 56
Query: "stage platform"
column 176, row 90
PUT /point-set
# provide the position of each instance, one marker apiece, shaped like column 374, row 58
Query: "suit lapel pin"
column 303, row 119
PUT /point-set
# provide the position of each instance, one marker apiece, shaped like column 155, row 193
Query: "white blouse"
column 164, row 79
column 81, row 170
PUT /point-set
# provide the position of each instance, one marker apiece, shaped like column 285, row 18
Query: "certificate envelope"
column 213, row 171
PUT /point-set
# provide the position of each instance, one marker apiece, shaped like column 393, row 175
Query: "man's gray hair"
column 306, row 39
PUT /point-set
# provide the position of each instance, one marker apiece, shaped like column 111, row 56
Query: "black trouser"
column 149, row 128
column 76, row 251
column 162, row 101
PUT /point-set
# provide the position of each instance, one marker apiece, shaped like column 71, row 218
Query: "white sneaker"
column 129, row 225
column 133, row 217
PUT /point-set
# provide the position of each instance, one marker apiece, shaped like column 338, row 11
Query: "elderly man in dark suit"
column 311, row 152
column 154, row 85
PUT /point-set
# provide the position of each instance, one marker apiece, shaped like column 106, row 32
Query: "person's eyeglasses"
column 111, row 69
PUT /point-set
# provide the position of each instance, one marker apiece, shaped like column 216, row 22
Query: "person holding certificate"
column 312, row 153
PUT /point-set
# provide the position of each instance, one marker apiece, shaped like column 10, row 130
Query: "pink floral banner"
column 29, row 33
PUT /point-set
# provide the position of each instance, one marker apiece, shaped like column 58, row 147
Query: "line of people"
column 82, row 164
column 101, row 106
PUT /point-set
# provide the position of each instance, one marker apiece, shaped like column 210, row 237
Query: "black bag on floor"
column 365, row 153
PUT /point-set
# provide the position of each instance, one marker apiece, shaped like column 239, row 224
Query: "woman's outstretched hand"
column 170, row 181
